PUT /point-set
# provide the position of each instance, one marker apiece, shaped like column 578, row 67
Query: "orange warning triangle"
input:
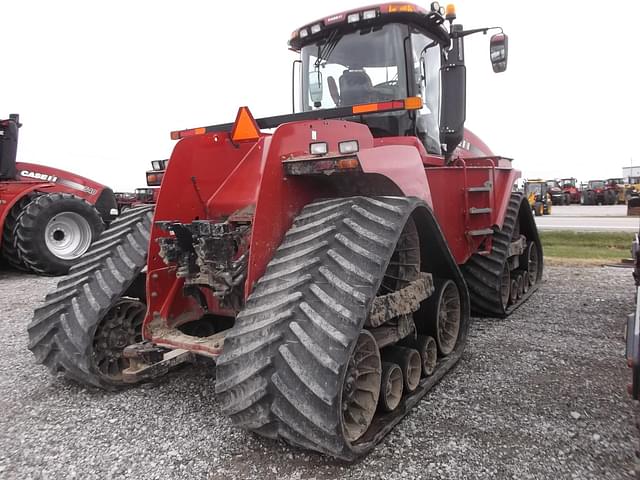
column 245, row 126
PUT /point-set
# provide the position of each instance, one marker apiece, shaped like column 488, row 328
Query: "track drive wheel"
column 54, row 231
column 299, row 364
column 9, row 250
column 96, row 311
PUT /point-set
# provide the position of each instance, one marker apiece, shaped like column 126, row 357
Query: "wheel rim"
column 121, row 326
column 429, row 354
column 361, row 387
column 505, row 285
column 532, row 263
column 448, row 318
column 391, row 388
column 68, row 235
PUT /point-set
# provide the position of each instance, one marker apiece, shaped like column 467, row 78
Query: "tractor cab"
column 8, row 147
column 387, row 53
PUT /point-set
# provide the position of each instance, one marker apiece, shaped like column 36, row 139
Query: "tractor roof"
column 370, row 16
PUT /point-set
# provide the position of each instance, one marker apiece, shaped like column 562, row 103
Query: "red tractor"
column 48, row 217
column 570, row 190
column 328, row 268
column 593, row 193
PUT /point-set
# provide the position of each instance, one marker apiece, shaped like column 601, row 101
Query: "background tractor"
column 48, row 217
column 593, row 193
column 615, row 191
column 537, row 193
column 555, row 191
column 570, row 190
column 328, row 268
column 144, row 196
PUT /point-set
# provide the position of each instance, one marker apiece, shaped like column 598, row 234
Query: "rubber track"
column 25, row 240
column 483, row 272
column 284, row 360
column 62, row 330
column 9, row 250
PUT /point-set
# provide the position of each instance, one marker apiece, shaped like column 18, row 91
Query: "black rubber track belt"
column 9, row 250
column 62, row 330
column 483, row 272
column 25, row 240
column 284, row 360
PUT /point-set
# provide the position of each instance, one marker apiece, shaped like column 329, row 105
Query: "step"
column 479, row 211
column 479, row 189
column 480, row 233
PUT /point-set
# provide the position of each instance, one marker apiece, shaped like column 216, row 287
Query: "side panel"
column 65, row 181
column 453, row 203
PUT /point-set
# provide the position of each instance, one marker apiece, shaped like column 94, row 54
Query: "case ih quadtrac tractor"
column 48, row 217
column 328, row 268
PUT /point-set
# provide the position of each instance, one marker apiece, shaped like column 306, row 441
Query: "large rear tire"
column 97, row 309
column 286, row 370
column 9, row 249
column 54, row 231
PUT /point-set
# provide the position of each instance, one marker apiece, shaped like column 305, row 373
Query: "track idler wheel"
column 444, row 312
column 361, row 387
column 410, row 363
column 533, row 266
column 391, row 387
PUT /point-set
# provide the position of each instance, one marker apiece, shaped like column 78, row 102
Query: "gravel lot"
column 540, row 395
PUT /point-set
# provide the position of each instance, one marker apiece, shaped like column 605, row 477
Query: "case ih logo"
column 53, row 179
column 39, row 176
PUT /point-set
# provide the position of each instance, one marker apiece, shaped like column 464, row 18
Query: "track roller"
column 391, row 387
column 410, row 363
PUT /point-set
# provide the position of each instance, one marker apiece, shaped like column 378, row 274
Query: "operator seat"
column 355, row 87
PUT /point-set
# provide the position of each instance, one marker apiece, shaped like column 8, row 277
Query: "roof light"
column 450, row 12
column 435, row 7
column 369, row 14
column 353, row 17
column 156, row 164
column 350, row 146
column 165, row 163
column 304, row 33
column 318, row 148
column 316, row 28
column 407, row 7
column 245, row 127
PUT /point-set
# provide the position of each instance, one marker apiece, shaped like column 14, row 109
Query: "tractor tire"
column 9, row 250
column 538, row 208
column 567, row 198
column 95, row 311
column 54, row 231
column 489, row 277
column 610, row 197
column 295, row 358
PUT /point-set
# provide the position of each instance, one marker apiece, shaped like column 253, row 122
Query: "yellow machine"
column 537, row 192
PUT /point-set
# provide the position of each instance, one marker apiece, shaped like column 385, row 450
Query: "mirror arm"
column 465, row 33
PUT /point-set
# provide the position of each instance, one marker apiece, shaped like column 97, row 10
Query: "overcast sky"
column 99, row 85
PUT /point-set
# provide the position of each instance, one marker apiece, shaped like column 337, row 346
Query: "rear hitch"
column 148, row 361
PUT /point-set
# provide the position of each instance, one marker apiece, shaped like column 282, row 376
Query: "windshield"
column 552, row 183
column 360, row 67
column 596, row 184
column 534, row 187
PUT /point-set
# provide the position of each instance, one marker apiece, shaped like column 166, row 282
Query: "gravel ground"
column 539, row 395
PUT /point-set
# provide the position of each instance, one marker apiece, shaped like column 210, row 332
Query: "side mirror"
column 498, row 52
column 315, row 87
